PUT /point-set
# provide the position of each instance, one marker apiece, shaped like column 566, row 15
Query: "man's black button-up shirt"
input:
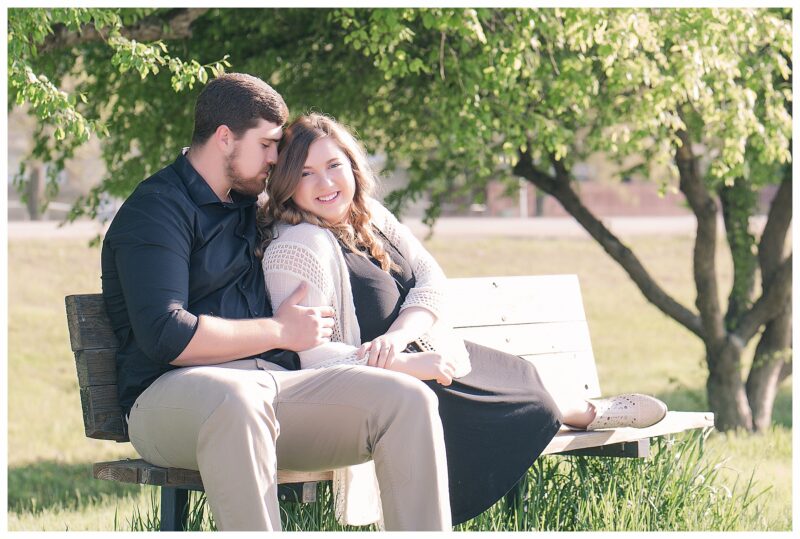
column 174, row 251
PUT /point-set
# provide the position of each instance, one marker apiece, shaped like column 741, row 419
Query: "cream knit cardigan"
column 311, row 254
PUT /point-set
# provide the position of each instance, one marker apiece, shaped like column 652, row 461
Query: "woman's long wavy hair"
column 354, row 231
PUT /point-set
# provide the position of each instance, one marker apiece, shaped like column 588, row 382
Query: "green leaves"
column 455, row 93
column 68, row 119
column 567, row 83
column 146, row 60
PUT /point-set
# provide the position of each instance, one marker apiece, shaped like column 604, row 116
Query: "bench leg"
column 174, row 509
column 298, row 492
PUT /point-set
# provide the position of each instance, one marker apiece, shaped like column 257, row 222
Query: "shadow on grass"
column 685, row 399
column 48, row 484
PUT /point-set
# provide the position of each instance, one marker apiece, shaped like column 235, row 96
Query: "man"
column 206, row 373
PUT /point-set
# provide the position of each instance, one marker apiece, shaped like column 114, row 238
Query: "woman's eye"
column 265, row 146
column 305, row 173
column 335, row 165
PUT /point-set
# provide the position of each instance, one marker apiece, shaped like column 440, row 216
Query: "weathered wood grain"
column 142, row 472
column 96, row 367
column 89, row 327
column 102, row 415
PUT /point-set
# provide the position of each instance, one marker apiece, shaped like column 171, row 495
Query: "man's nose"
column 272, row 157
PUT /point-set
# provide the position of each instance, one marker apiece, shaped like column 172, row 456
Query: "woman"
column 320, row 225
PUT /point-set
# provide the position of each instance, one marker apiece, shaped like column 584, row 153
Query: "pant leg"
column 219, row 420
column 224, row 420
column 357, row 411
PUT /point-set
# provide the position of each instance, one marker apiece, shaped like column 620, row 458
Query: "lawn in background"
column 637, row 348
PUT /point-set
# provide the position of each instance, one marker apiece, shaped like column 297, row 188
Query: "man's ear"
column 223, row 138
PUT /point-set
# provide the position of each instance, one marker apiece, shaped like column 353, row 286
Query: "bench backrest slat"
column 96, row 367
column 89, row 327
column 95, row 347
column 102, row 415
column 492, row 301
column 540, row 318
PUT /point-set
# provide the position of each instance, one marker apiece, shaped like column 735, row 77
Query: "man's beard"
column 247, row 186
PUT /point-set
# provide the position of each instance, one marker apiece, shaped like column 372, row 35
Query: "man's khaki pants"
column 238, row 422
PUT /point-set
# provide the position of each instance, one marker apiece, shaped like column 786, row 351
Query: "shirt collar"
column 199, row 190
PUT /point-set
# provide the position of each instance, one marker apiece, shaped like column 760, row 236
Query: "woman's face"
column 327, row 185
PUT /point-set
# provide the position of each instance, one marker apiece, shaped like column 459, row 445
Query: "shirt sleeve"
column 286, row 264
column 151, row 241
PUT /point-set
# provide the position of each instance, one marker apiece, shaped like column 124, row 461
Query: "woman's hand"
column 425, row 366
column 383, row 350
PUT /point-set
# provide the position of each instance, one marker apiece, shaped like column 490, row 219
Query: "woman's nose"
column 326, row 178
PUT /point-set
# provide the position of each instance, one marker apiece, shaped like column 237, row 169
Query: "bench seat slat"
column 139, row 471
column 675, row 422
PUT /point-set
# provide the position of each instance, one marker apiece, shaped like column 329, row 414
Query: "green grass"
column 636, row 347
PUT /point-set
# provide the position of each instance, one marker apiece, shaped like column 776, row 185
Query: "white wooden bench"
column 540, row 318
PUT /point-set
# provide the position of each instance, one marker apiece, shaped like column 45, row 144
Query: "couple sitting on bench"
column 306, row 332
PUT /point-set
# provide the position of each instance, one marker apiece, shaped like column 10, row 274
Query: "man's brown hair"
column 238, row 101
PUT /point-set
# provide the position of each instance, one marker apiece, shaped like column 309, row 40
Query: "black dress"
column 497, row 420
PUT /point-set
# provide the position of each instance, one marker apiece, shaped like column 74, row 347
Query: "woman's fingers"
column 374, row 352
column 385, row 353
column 364, row 351
column 447, row 369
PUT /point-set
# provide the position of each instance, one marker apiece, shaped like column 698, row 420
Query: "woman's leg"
column 577, row 412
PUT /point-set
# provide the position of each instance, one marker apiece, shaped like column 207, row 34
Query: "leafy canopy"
column 456, row 94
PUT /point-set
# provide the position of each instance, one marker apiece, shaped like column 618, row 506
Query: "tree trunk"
column 772, row 360
column 772, row 353
column 726, row 392
column 539, row 201
column 34, row 192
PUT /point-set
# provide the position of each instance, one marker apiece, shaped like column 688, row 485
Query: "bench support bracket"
column 637, row 449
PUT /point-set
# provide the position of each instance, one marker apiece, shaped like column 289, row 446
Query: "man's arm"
column 293, row 327
column 152, row 243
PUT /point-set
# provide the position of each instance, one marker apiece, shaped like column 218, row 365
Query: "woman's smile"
column 326, row 199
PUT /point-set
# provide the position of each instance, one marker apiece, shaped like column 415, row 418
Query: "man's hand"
column 425, row 366
column 302, row 328
column 382, row 350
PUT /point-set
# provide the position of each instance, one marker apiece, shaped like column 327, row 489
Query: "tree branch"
column 773, row 239
column 705, row 246
column 175, row 24
column 771, row 303
column 559, row 187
